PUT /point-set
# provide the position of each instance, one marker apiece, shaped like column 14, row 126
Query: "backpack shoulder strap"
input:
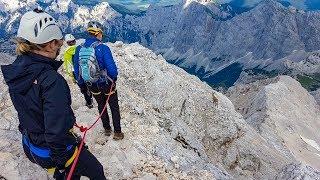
column 80, row 45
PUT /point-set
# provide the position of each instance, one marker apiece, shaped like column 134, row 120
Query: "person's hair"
column 93, row 34
column 25, row 47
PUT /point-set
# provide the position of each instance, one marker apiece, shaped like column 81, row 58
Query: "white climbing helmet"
column 69, row 37
column 38, row 27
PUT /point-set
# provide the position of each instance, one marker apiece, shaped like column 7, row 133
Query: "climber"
column 95, row 67
column 67, row 55
column 42, row 99
column 68, row 67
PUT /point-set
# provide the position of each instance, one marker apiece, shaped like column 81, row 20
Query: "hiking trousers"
column 100, row 93
column 86, row 93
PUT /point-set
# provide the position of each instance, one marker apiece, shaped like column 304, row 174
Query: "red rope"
column 84, row 130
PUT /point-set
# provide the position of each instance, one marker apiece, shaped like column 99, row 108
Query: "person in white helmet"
column 42, row 99
column 68, row 54
column 68, row 67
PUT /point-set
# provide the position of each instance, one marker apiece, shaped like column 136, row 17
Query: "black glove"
column 59, row 174
column 79, row 139
column 60, row 157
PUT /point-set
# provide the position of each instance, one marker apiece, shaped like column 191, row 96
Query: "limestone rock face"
column 316, row 95
column 285, row 114
column 298, row 171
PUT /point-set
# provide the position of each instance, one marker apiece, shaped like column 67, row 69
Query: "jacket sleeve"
column 75, row 60
column 65, row 64
column 58, row 117
column 109, row 63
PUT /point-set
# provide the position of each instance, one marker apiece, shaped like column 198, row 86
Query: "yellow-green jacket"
column 67, row 60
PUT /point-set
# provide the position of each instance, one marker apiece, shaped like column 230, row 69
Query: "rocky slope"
column 316, row 95
column 176, row 127
column 284, row 113
column 302, row 66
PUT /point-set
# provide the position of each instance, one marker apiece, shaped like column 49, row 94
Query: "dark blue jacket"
column 42, row 99
column 104, row 58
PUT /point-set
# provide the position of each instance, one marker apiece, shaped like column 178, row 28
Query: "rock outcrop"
column 284, row 113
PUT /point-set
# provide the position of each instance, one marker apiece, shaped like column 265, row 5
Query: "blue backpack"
column 88, row 63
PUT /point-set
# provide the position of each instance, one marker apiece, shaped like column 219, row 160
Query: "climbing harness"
column 45, row 153
column 109, row 94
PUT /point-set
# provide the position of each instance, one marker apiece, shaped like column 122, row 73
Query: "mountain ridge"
column 199, row 36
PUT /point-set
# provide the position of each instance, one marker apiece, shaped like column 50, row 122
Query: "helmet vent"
column 38, row 27
column 35, row 30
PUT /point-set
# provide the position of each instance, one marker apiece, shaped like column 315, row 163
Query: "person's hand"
column 59, row 173
column 79, row 139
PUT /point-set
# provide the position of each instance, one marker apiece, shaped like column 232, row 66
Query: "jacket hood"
column 22, row 73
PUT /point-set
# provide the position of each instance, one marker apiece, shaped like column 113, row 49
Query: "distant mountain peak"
column 188, row 2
